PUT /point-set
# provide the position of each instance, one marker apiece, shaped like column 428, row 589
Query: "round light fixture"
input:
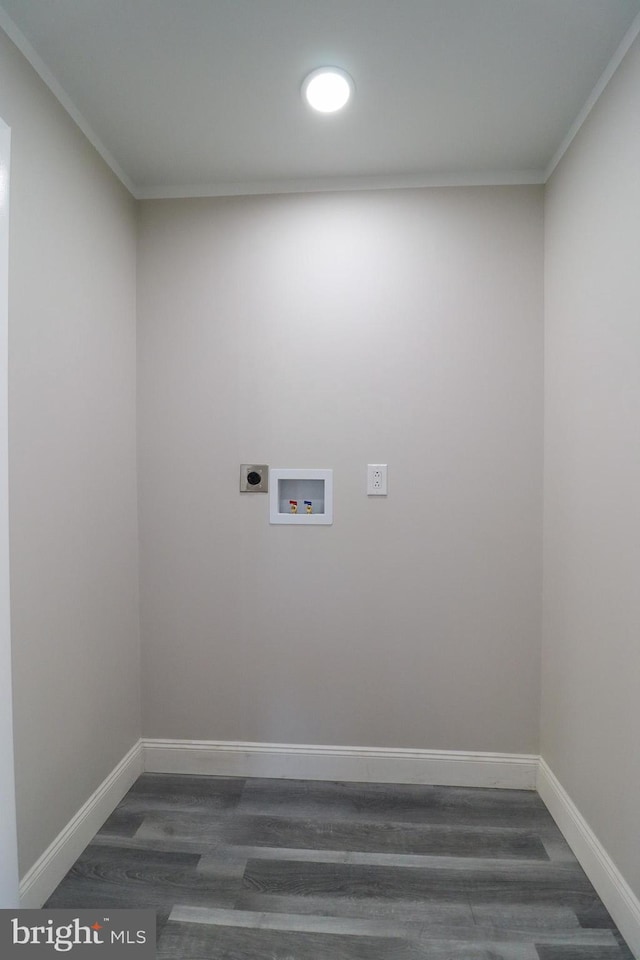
column 327, row 89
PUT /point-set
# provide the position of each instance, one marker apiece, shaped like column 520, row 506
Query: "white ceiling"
column 188, row 97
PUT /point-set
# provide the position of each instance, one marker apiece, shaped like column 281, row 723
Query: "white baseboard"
column 277, row 760
column 47, row 872
column 612, row 888
column 364, row 764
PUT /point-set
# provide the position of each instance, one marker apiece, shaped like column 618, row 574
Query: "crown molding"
column 25, row 48
column 342, row 184
column 316, row 185
column 595, row 95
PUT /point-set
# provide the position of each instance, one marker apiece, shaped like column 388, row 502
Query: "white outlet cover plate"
column 376, row 479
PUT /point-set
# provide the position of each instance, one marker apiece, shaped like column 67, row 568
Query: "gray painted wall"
column 72, row 461
column 8, row 835
column 402, row 327
column 591, row 655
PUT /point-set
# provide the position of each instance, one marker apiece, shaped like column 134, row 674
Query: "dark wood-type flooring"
column 306, row 870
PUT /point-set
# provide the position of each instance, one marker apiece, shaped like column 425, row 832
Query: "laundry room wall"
column 335, row 330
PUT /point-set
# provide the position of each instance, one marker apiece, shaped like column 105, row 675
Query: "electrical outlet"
column 376, row 479
column 254, row 478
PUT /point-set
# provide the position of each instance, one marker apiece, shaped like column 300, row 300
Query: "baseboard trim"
column 317, row 762
column 44, row 876
column 320, row 762
column 612, row 888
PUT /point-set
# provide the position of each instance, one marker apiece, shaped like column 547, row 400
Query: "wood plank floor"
column 306, row 870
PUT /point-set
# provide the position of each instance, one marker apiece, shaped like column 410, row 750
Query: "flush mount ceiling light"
column 327, row 89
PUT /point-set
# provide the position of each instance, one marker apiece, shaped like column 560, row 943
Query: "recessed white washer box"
column 298, row 495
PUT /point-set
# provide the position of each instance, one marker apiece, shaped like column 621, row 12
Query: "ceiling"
column 188, row 97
